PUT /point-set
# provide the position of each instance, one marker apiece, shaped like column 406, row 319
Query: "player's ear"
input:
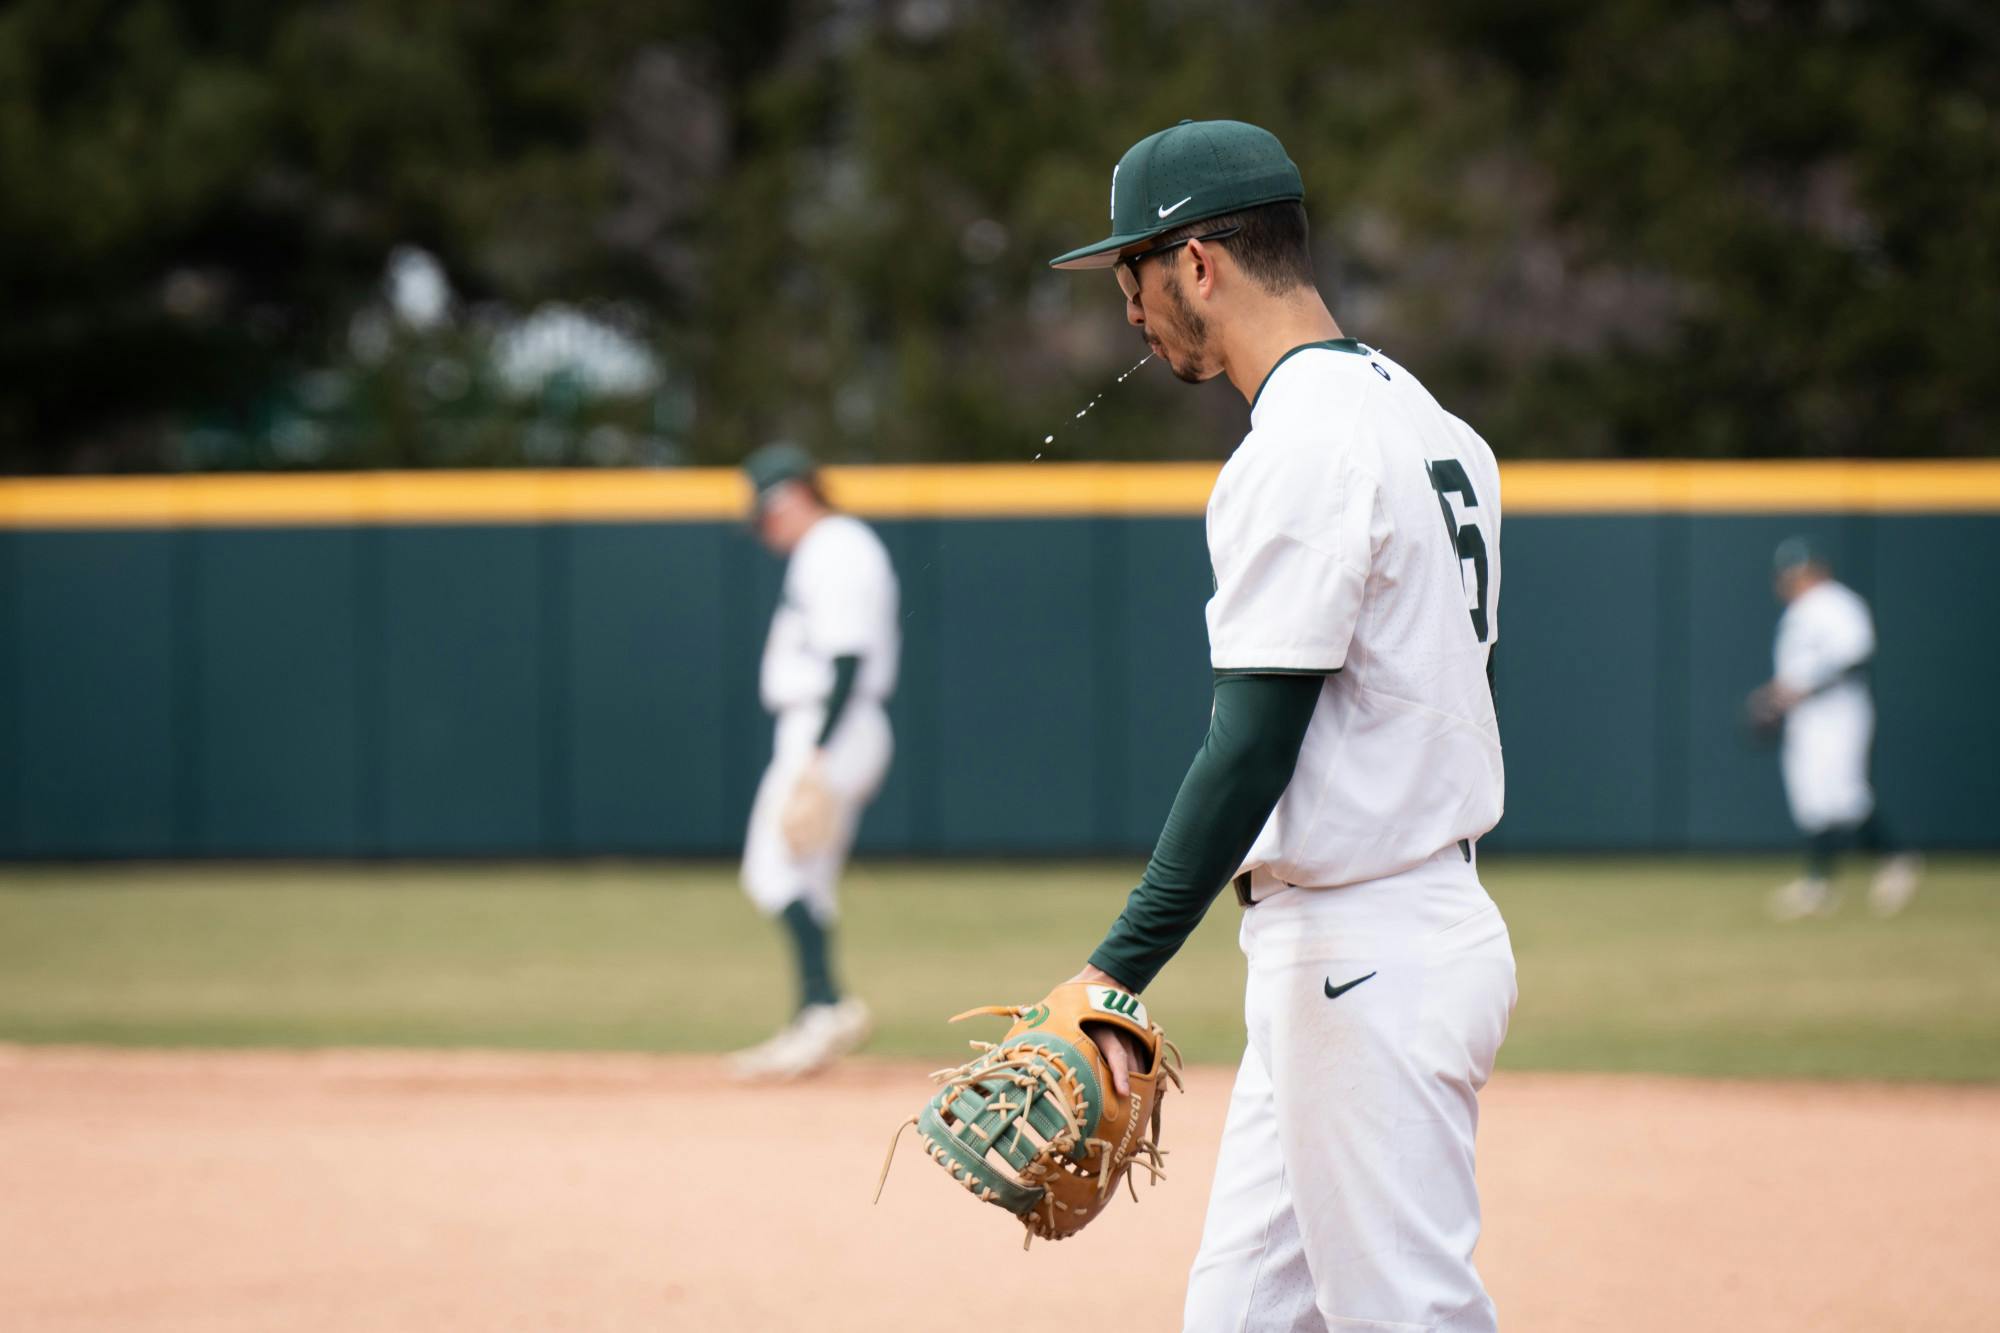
column 1203, row 274
column 1201, row 267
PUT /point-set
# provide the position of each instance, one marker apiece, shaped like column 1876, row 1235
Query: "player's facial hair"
column 1194, row 330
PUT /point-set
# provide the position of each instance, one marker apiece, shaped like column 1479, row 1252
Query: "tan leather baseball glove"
column 1032, row 1122
column 807, row 817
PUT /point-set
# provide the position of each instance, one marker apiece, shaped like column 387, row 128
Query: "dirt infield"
column 400, row 1191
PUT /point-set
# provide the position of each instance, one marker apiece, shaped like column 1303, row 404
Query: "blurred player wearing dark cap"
column 829, row 667
column 1818, row 694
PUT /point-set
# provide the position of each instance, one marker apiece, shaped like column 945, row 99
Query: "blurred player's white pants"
column 1825, row 759
column 857, row 759
column 1344, row 1195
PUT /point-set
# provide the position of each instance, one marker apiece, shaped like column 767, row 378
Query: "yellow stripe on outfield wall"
column 945, row 491
column 1918, row 486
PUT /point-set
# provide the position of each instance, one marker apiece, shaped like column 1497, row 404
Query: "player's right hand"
column 1120, row 1050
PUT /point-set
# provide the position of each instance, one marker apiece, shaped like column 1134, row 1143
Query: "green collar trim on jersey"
column 1351, row 345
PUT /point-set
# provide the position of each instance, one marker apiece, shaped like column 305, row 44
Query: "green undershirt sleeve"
column 1230, row 790
column 845, row 669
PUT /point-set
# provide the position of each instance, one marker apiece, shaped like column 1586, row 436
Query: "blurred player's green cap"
column 1795, row 551
column 773, row 466
column 1197, row 169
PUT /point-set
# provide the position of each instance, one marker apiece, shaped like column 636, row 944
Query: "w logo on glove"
column 1033, row 1124
column 1117, row 1002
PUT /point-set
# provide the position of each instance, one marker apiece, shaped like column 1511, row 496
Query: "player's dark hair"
column 1274, row 246
column 816, row 488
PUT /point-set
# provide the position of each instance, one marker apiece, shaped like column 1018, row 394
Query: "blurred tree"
column 196, row 198
column 1810, row 191
column 1596, row 227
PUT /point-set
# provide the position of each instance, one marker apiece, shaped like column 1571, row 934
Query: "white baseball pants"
column 1825, row 759
column 1344, row 1196
column 857, row 759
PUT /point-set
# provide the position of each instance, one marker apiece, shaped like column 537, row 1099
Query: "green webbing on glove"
column 845, row 669
column 1229, row 792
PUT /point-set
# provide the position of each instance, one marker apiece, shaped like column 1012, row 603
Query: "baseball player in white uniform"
column 1818, row 692
column 1351, row 764
column 829, row 667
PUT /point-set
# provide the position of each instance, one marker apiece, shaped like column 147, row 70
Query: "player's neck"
column 1253, row 346
column 798, row 525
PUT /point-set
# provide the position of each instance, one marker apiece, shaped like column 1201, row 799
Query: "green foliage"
column 196, row 198
column 1621, row 227
column 1626, row 965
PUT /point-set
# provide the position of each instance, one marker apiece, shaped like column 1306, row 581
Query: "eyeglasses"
column 1127, row 268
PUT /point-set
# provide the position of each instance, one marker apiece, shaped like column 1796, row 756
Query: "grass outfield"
column 1656, row 965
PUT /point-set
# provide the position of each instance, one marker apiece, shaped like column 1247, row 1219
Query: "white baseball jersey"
column 840, row 599
column 1825, row 637
column 1356, row 530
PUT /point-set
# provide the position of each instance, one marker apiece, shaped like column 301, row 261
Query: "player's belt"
column 1853, row 675
column 1254, row 886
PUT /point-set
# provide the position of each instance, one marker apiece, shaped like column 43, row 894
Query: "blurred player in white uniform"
column 1352, row 760
column 1818, row 692
column 829, row 668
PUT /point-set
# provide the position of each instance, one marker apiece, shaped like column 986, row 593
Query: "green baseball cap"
column 1197, row 169
column 773, row 466
column 1795, row 551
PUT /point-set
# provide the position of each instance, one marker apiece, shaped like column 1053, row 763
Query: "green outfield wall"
column 377, row 675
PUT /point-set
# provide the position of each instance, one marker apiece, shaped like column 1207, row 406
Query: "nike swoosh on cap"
column 1164, row 210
